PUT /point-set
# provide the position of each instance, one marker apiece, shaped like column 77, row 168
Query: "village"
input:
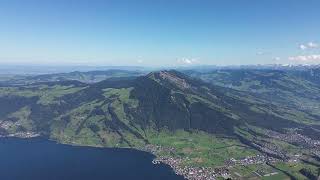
column 6, row 125
column 204, row 173
column 271, row 154
column 295, row 138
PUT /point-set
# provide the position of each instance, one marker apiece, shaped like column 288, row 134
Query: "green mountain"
column 291, row 89
column 231, row 114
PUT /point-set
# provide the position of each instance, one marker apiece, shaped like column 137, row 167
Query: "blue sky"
column 159, row 32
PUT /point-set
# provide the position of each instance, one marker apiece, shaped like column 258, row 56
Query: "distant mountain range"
column 86, row 77
column 20, row 69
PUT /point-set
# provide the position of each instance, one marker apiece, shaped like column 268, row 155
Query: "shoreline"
column 175, row 164
column 188, row 172
column 22, row 135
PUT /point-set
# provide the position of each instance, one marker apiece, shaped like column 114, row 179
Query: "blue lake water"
column 40, row 159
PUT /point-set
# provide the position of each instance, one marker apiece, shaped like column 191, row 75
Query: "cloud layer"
column 309, row 45
column 314, row 58
column 187, row 61
column 276, row 58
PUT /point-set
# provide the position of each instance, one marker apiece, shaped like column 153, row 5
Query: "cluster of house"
column 257, row 159
column 295, row 138
column 5, row 125
column 188, row 172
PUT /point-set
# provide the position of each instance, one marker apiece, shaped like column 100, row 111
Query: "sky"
column 159, row 32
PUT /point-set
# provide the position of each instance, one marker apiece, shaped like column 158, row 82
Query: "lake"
column 40, row 159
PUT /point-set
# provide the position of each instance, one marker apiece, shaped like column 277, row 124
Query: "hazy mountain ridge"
column 84, row 77
column 296, row 89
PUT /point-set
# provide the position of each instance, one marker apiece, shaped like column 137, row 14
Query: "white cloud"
column 140, row 61
column 312, row 45
column 187, row 61
column 276, row 58
column 261, row 53
column 314, row 58
column 309, row 45
column 302, row 47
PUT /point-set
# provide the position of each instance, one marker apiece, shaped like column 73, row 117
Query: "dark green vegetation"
column 295, row 91
column 228, row 115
